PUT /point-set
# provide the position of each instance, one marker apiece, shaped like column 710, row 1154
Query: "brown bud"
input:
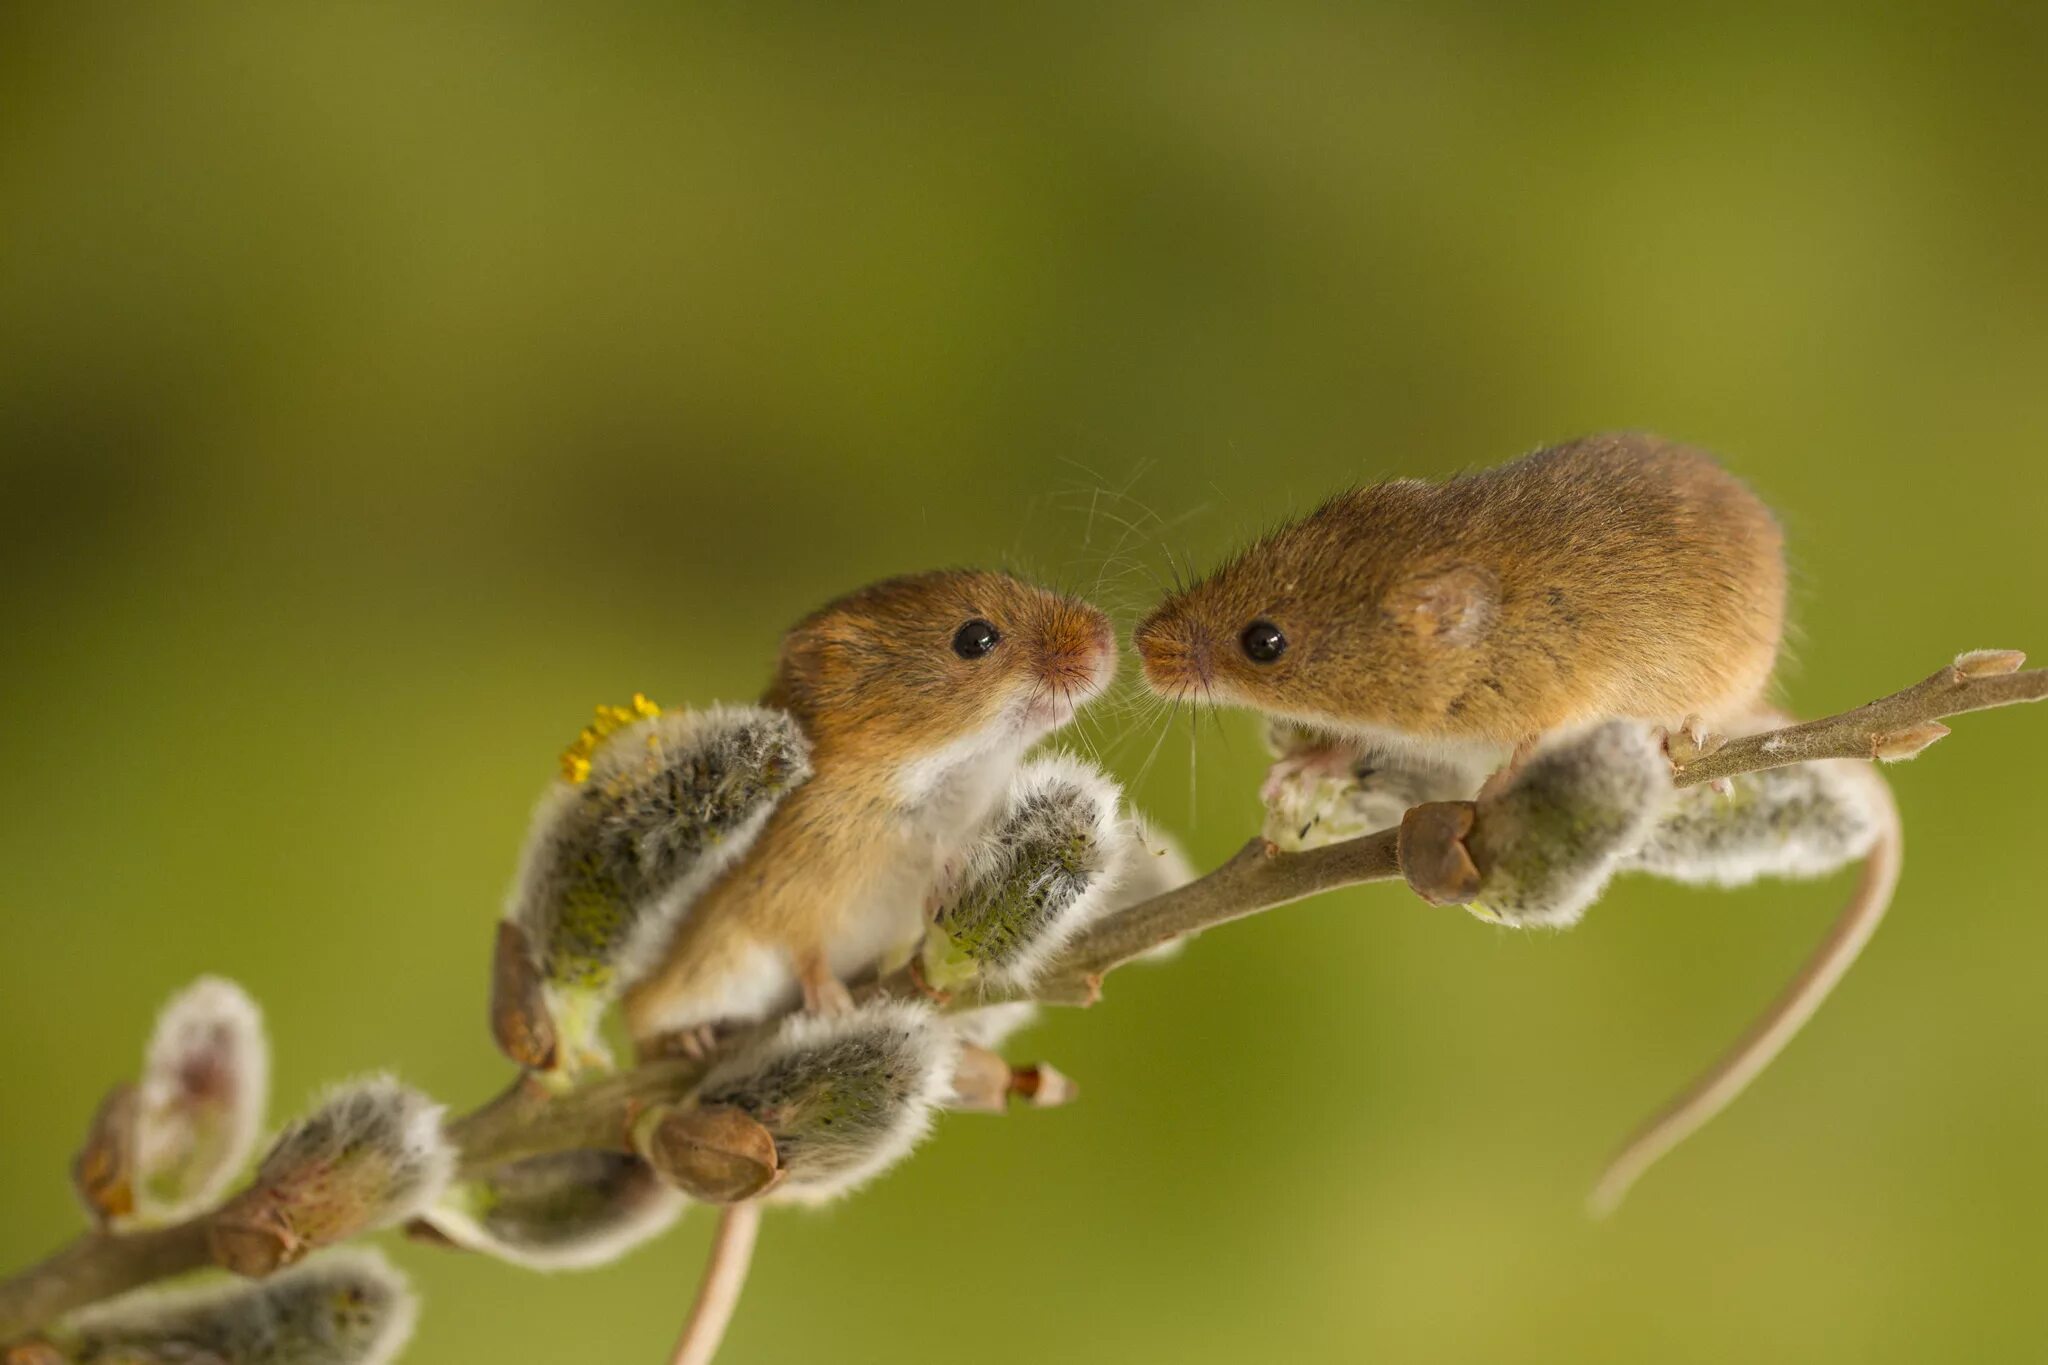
column 1899, row 745
column 253, row 1244
column 1433, row 855
column 519, row 1013
column 370, row 1155
column 716, row 1154
column 103, row 1172
column 36, row 1352
column 1043, row 1086
column 1988, row 663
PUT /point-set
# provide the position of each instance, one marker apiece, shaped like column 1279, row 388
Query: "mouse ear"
column 1453, row 603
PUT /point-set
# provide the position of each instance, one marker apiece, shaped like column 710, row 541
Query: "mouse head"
column 1363, row 614
column 938, row 666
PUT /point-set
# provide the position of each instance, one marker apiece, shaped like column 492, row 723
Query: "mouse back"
column 1616, row 575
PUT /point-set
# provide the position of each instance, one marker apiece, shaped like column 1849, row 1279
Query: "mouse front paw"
column 1691, row 741
column 824, row 993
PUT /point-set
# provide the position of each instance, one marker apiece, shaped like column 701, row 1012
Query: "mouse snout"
column 1076, row 649
column 1175, row 653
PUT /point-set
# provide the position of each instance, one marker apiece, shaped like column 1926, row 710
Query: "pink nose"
column 1175, row 654
column 1077, row 648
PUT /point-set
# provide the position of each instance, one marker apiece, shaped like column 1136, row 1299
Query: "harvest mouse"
column 919, row 696
column 1461, row 623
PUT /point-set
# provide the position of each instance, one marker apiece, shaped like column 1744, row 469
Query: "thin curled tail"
column 1766, row 1038
column 718, row 1294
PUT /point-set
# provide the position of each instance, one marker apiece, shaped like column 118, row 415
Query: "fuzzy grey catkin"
column 1038, row 873
column 369, row 1155
column 205, row 1085
column 991, row 1026
column 844, row 1096
column 1151, row 863
column 1804, row 820
column 1547, row 845
column 346, row 1307
column 646, row 816
column 563, row 1211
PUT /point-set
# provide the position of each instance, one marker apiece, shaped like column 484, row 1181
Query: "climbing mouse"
column 1611, row 576
column 919, row 696
column 1461, row 623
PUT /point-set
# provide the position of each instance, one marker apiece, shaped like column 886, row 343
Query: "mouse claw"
column 824, row 993
column 694, row 1044
column 938, row 995
column 1433, row 855
column 1504, row 777
column 1691, row 741
column 1305, row 767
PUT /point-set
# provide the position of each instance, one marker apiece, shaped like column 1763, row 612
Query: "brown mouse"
column 1611, row 576
column 919, row 696
column 1461, row 622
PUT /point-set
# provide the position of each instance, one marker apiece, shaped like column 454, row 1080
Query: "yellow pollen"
column 609, row 720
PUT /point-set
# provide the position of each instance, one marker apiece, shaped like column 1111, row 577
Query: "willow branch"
column 98, row 1266
column 529, row 1119
column 1893, row 727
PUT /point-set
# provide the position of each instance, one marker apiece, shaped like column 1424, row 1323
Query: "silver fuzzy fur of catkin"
column 369, row 1155
column 844, row 1096
column 1548, row 845
column 204, row 1089
column 613, row 861
column 993, row 1025
column 564, row 1211
column 1042, row 870
column 344, row 1307
column 1805, row 820
column 1151, row 863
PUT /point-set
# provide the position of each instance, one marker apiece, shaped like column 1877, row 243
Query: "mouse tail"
column 1766, row 1038
column 718, row 1293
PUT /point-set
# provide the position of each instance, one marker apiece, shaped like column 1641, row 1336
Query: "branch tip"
column 1043, row 1086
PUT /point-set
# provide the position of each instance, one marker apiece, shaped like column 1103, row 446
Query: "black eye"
column 975, row 639
column 1263, row 642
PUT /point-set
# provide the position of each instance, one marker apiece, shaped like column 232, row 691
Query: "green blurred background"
column 381, row 387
